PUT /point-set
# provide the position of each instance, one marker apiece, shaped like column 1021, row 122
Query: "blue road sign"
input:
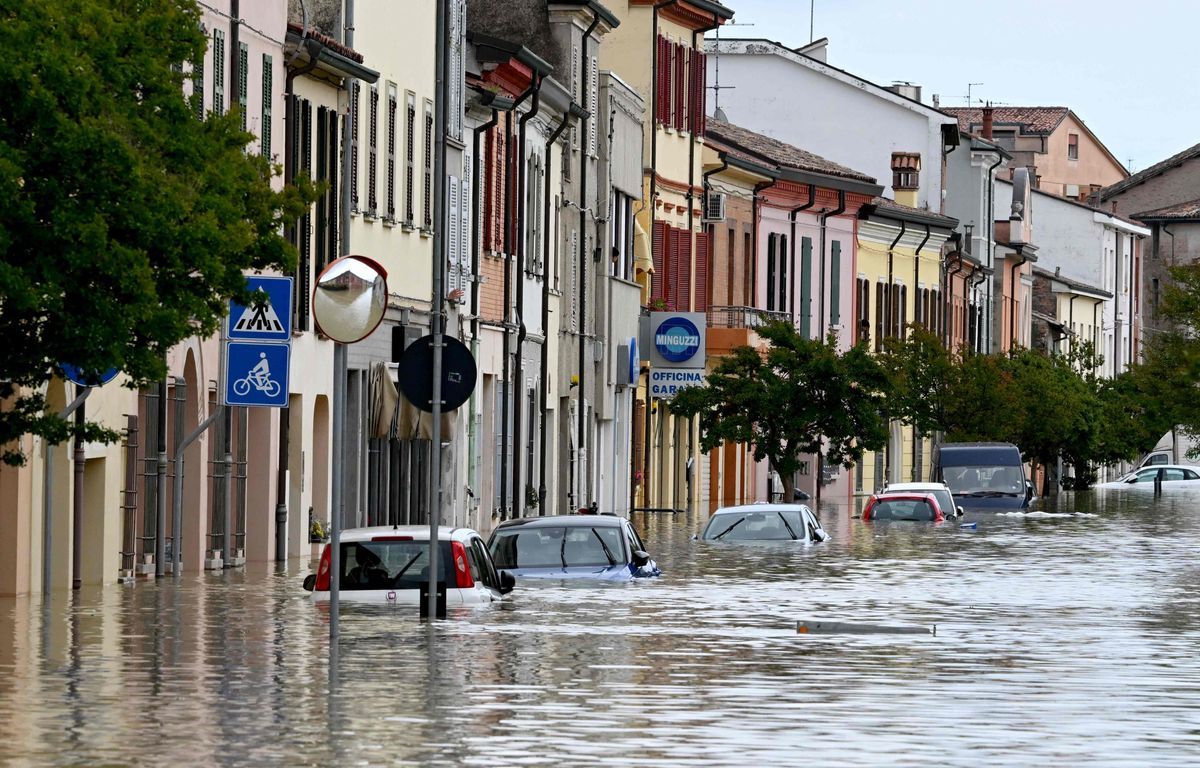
column 271, row 321
column 88, row 379
column 256, row 374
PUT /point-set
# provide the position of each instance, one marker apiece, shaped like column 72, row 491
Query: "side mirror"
column 1131, row 480
column 640, row 558
column 960, row 511
column 1028, row 490
column 310, row 582
column 507, row 582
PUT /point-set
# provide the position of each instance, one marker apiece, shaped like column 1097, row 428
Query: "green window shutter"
column 268, row 88
column 242, row 87
column 770, row 272
column 835, row 284
column 806, row 287
column 198, row 86
column 218, row 71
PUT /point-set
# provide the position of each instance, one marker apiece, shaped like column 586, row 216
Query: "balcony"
column 733, row 326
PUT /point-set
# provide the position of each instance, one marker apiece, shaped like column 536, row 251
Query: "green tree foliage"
column 125, row 222
column 800, row 396
column 920, row 371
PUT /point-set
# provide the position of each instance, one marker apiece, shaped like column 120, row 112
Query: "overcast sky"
column 1127, row 69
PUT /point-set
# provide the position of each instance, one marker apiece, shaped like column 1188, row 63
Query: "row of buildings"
column 593, row 183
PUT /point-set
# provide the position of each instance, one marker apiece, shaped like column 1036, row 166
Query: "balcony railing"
column 742, row 317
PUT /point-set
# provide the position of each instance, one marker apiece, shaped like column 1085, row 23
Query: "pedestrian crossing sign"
column 268, row 321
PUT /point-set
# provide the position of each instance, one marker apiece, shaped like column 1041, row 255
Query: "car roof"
column 417, row 532
column 560, row 521
column 1192, row 467
column 747, row 508
column 897, row 487
column 910, row 496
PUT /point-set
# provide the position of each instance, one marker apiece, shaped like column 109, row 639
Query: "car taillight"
column 462, row 569
column 322, row 584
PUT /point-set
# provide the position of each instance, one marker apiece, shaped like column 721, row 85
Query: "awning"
column 643, row 257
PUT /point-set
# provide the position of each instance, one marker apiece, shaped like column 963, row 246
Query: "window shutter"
column 771, row 272
column 391, row 153
column 805, row 286
column 458, row 29
column 373, row 153
column 835, row 283
column 672, row 286
column 243, row 79
column 428, row 166
column 268, row 93
column 660, row 79
column 880, row 326
column 465, row 227
column 894, row 314
column 700, row 93
column 322, row 171
column 679, row 90
column 576, row 94
column 658, row 246
column 783, row 273
column 355, row 93
column 304, row 268
column 593, row 105
column 489, row 187
column 684, row 303
column 198, row 86
column 900, row 329
column 574, row 292
column 452, row 235
column 218, row 71
column 410, row 136
column 703, row 269
column 334, row 152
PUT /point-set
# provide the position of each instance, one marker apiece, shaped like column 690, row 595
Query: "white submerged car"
column 765, row 522
column 940, row 491
column 1173, row 476
column 390, row 564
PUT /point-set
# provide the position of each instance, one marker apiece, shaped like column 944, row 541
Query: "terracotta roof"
column 1070, row 283
column 885, row 205
column 1031, row 119
column 327, row 41
column 765, row 149
column 1173, row 161
column 1188, row 210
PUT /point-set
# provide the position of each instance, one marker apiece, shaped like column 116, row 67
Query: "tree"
column 800, row 396
column 126, row 223
column 921, row 372
column 982, row 402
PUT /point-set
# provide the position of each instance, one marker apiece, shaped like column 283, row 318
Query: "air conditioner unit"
column 714, row 206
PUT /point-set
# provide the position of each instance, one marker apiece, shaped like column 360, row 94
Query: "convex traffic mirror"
column 350, row 298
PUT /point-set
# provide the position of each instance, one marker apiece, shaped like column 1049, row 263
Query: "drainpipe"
column 1095, row 308
column 519, row 374
column 545, row 363
column 759, row 187
column 585, row 93
column 821, row 292
column 812, row 199
column 1134, row 285
column 991, row 227
column 1166, row 231
column 476, row 182
column 948, row 298
column 887, row 312
column 506, row 380
column 917, row 264
column 1117, row 303
column 79, row 460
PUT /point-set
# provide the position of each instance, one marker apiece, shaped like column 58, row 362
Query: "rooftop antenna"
column 811, row 15
column 1129, row 165
column 969, row 86
column 716, row 87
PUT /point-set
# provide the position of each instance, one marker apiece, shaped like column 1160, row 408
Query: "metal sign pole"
column 48, row 496
column 439, row 243
column 335, row 517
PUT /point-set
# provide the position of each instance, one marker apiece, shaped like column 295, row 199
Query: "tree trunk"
column 789, row 488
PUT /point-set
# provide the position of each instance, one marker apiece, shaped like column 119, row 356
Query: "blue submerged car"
column 584, row 546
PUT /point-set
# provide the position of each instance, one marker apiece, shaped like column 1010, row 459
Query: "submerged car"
column 390, row 564
column 1173, row 476
column 765, row 522
column 587, row 546
column 915, row 507
column 939, row 491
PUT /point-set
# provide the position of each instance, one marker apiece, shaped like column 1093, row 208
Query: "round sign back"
column 458, row 373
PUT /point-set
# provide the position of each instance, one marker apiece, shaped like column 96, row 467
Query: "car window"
column 389, row 564
column 635, row 541
column 902, row 509
column 983, row 479
column 769, row 525
column 1190, row 475
column 546, row 547
column 1157, row 458
column 481, row 565
column 944, row 500
column 1146, row 476
column 812, row 526
column 1172, row 474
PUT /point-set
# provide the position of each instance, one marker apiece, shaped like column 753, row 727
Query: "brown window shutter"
column 684, row 304
column 671, row 289
column 659, row 247
column 702, row 94
column 703, row 260
column 679, row 73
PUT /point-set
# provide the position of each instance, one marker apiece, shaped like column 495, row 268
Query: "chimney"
column 987, row 122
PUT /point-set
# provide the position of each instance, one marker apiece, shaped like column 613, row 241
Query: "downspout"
column 476, row 182
column 948, row 299
column 545, row 363
column 1095, row 308
column 887, row 312
column 519, row 374
column 585, row 93
column 821, row 291
column 1117, row 304
column 1166, row 231
column 1134, row 286
column 991, row 227
column 917, row 265
column 812, row 199
column 759, row 187
column 506, row 380
column 1071, row 318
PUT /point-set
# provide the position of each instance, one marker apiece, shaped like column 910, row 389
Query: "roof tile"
column 1179, row 158
column 1031, row 119
column 1188, row 210
column 762, row 148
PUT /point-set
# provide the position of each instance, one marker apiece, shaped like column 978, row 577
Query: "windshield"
column 902, row 509
column 984, row 480
column 773, row 525
column 558, row 547
column 389, row 564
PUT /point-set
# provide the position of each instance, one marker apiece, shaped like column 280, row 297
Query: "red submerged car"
column 920, row 507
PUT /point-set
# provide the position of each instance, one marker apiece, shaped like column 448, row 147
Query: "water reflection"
column 1065, row 635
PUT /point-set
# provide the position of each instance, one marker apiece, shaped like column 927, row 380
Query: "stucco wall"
column 1178, row 185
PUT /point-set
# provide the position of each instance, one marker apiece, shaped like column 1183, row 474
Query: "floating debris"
column 843, row 628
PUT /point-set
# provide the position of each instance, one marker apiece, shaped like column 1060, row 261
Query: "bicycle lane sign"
column 256, row 374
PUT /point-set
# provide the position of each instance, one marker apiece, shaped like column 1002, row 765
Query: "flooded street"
column 1061, row 639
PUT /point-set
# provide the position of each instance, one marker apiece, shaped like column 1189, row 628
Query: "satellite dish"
column 458, row 373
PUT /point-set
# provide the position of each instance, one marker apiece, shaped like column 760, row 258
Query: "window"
column 732, row 258
column 747, row 270
column 218, row 71
column 770, row 272
column 806, row 287
column 835, row 283
column 268, row 77
column 391, row 154
column 373, row 153
column 1005, row 139
column 242, row 83
column 782, row 261
column 881, row 296
column 410, row 124
column 863, row 325
column 1072, row 146
column 355, row 94
column 428, row 179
